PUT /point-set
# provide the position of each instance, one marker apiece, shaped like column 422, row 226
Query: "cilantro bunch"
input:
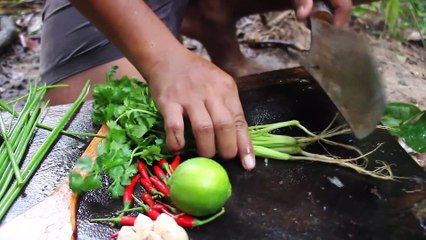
column 135, row 132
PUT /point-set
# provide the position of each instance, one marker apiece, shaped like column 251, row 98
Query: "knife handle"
column 321, row 10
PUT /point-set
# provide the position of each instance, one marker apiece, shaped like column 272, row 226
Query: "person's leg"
column 213, row 23
column 96, row 74
column 73, row 51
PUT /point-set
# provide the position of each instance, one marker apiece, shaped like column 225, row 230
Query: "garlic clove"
column 126, row 233
column 175, row 233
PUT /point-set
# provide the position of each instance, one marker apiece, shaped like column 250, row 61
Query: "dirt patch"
column 18, row 67
column 403, row 66
column 404, row 71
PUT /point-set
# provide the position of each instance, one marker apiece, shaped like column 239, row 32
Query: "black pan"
column 299, row 200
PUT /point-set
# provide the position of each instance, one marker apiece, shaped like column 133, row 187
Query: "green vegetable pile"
column 137, row 134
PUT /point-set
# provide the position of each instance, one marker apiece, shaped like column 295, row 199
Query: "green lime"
column 199, row 186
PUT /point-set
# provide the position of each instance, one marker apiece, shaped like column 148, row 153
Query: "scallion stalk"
column 38, row 157
column 10, row 152
column 9, row 109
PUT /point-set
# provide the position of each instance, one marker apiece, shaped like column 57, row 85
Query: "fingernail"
column 249, row 162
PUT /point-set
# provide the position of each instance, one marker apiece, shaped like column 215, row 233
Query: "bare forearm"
column 133, row 28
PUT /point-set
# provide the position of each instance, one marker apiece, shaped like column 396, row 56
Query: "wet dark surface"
column 279, row 199
column 300, row 200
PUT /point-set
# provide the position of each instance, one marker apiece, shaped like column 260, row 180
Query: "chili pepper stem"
column 204, row 221
column 132, row 209
column 113, row 220
column 126, row 207
column 124, row 220
column 170, row 207
column 169, row 171
column 163, row 164
column 141, row 204
column 199, row 222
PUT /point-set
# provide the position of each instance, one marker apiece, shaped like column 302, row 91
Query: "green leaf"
column 76, row 182
column 401, row 111
column 111, row 73
column 116, row 132
column 151, row 153
column 79, row 183
column 129, row 172
column 109, row 112
column 116, row 190
column 84, row 164
column 392, row 13
column 116, row 172
column 92, row 182
column 101, row 148
column 396, row 114
column 136, row 131
column 414, row 134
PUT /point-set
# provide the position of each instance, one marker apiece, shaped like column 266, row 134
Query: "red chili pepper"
column 159, row 207
column 147, row 198
column 163, row 164
column 128, row 191
column 160, row 186
column 122, row 220
column 160, row 173
column 128, row 194
column 175, row 163
column 165, row 208
column 146, row 183
column 114, row 235
column 185, row 220
column 153, row 214
column 143, row 170
column 150, row 212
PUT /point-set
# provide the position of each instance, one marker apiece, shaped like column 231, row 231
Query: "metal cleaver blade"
column 341, row 61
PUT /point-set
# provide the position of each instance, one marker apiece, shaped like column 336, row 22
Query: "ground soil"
column 403, row 65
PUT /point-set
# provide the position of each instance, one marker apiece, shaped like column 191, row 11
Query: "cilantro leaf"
column 135, row 133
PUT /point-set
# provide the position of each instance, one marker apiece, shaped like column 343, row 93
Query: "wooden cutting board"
column 54, row 217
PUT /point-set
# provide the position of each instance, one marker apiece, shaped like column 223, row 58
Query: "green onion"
column 282, row 147
column 13, row 191
column 12, row 157
column 33, row 102
column 9, row 109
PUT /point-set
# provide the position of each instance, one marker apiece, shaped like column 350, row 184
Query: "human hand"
column 342, row 10
column 188, row 85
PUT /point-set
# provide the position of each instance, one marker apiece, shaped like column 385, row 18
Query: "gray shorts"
column 70, row 44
